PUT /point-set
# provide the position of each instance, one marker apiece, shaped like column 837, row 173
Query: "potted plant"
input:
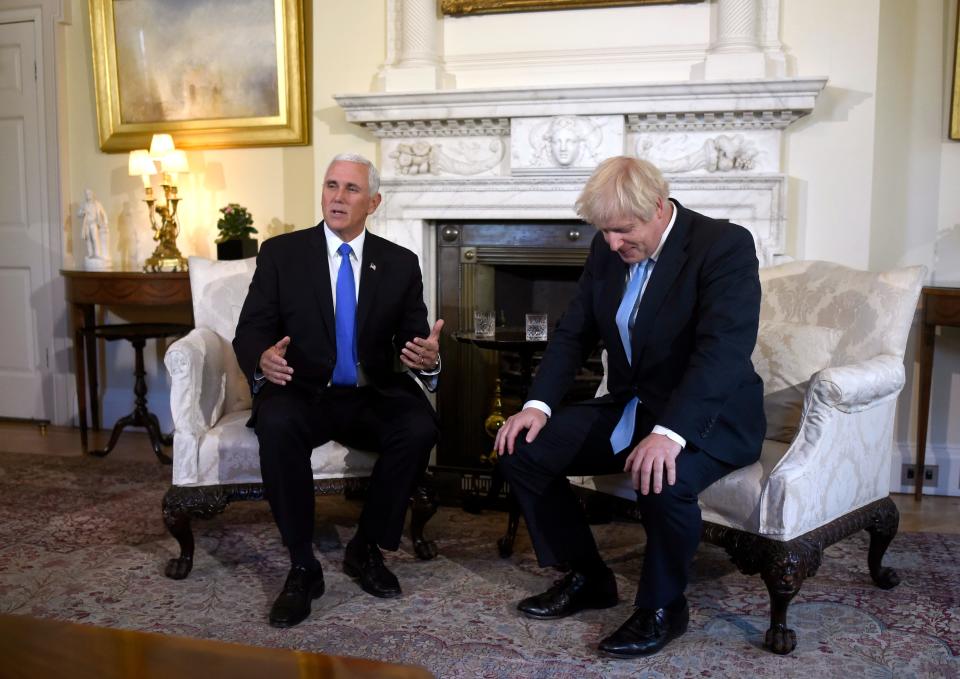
column 235, row 226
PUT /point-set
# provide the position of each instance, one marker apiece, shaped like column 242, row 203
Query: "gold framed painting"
column 461, row 7
column 213, row 73
column 955, row 103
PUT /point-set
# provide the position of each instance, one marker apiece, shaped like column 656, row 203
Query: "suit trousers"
column 576, row 441
column 398, row 425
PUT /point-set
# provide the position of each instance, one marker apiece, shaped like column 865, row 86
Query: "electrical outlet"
column 907, row 474
column 931, row 474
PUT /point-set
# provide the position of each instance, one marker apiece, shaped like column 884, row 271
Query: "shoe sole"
column 315, row 593
column 354, row 573
column 535, row 616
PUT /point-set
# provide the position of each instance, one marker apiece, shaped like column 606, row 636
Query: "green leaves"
column 235, row 222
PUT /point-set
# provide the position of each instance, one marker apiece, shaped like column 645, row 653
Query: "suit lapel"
column 370, row 274
column 321, row 281
column 665, row 271
column 614, row 283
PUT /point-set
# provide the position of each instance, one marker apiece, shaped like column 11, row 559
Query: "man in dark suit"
column 329, row 311
column 675, row 298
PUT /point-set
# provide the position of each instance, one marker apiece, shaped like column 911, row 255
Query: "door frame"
column 45, row 15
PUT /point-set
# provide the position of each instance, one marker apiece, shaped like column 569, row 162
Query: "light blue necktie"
column 345, row 371
column 623, row 432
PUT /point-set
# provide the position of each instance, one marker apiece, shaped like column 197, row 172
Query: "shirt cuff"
column 670, row 434
column 539, row 405
column 435, row 371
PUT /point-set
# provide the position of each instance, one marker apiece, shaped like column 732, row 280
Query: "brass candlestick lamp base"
column 494, row 421
column 166, row 256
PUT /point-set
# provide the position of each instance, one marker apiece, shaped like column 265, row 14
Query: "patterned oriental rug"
column 82, row 539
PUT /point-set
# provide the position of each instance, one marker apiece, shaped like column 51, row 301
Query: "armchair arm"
column 840, row 457
column 858, row 386
column 197, row 371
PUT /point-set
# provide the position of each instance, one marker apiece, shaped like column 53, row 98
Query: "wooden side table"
column 940, row 305
column 87, row 289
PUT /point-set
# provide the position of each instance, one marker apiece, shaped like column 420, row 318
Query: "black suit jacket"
column 695, row 329
column 290, row 294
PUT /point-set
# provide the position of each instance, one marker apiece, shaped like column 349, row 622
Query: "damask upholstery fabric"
column 840, row 457
column 786, row 356
column 210, row 398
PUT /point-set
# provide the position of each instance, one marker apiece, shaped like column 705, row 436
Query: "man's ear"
column 374, row 204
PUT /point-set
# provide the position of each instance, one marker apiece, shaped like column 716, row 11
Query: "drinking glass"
column 484, row 323
column 536, row 327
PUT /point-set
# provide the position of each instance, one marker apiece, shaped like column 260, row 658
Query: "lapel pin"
column 373, row 266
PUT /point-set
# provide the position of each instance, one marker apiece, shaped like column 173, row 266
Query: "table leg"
column 92, row 376
column 927, row 334
column 77, row 318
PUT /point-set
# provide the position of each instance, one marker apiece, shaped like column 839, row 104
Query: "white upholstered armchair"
column 215, row 455
column 830, row 352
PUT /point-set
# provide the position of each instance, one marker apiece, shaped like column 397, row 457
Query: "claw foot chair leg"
column 180, row 505
column 883, row 528
column 783, row 577
column 423, row 505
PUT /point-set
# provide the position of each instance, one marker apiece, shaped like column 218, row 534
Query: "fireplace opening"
column 511, row 268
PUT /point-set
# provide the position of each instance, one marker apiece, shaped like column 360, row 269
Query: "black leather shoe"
column 293, row 604
column 574, row 592
column 647, row 631
column 364, row 562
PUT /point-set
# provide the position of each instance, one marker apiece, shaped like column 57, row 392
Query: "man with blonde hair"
column 675, row 298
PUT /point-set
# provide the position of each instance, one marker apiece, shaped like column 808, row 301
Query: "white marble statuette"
column 94, row 231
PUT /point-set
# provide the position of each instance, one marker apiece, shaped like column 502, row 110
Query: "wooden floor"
column 934, row 514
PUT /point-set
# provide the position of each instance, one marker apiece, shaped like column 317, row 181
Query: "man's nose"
column 614, row 241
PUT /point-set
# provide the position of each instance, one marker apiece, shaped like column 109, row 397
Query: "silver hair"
column 373, row 177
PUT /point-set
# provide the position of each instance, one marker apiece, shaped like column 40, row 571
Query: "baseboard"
column 945, row 458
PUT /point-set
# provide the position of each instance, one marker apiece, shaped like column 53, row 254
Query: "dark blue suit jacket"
column 695, row 329
column 290, row 295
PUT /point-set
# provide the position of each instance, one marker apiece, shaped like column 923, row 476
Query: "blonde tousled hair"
column 622, row 186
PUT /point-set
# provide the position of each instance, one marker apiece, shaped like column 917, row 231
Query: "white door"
column 24, row 281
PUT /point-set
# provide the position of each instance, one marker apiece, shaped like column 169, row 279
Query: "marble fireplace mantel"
column 525, row 153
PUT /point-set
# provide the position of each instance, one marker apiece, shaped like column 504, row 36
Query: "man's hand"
column 421, row 353
column 274, row 366
column 647, row 462
column 531, row 419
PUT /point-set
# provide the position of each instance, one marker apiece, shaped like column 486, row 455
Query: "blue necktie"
column 345, row 371
column 623, row 432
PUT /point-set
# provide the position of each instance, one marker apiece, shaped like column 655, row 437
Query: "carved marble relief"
column 700, row 152
column 564, row 143
column 463, row 157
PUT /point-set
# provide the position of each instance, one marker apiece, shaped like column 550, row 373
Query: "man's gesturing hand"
column 421, row 353
column 647, row 462
column 531, row 419
column 274, row 366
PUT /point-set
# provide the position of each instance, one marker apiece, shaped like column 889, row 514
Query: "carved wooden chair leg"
column 423, row 505
column 882, row 528
column 783, row 572
column 180, row 505
column 505, row 544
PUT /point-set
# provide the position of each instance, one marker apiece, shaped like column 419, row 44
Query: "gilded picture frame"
column 462, row 7
column 955, row 101
column 213, row 73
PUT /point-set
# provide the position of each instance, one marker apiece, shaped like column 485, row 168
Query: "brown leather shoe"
column 647, row 631
column 572, row 593
column 364, row 562
column 293, row 604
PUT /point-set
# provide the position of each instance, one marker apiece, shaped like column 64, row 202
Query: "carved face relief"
column 565, row 146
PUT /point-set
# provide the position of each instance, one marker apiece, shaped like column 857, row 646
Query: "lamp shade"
column 140, row 164
column 160, row 145
column 175, row 162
